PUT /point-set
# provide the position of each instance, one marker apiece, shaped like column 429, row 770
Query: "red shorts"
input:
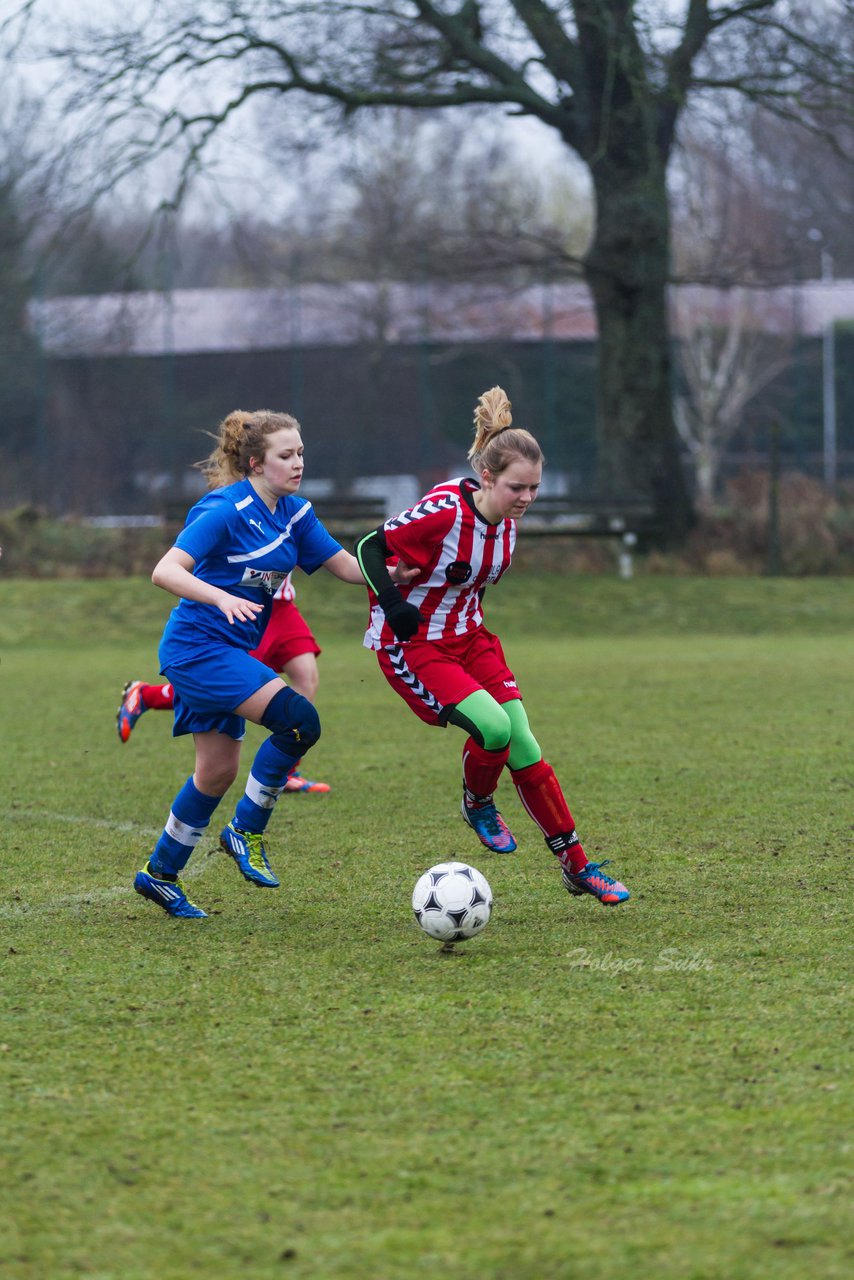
column 286, row 636
column 433, row 676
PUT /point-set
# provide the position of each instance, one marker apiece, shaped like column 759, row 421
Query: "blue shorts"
column 206, row 689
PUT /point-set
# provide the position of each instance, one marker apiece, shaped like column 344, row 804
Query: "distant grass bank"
column 76, row 612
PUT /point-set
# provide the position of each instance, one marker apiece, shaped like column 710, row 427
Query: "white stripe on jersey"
column 261, row 551
column 438, row 617
column 244, row 502
column 426, row 507
column 277, row 542
column 449, row 608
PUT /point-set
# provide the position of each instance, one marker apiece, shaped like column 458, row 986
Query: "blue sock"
column 190, row 814
column 265, row 784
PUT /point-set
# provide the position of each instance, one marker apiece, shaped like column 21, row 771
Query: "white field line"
column 45, row 815
column 15, row 910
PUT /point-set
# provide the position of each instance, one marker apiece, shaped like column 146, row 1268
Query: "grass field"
column 305, row 1086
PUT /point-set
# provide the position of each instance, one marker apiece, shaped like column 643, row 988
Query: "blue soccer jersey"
column 238, row 544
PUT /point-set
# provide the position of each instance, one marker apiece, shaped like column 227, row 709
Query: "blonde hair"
column 242, row 438
column 496, row 441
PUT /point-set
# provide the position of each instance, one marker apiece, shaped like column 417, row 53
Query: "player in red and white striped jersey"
column 458, row 552
column 435, row 651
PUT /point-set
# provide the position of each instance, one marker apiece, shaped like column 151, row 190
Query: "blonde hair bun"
column 496, row 440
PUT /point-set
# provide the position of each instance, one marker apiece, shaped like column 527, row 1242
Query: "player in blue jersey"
column 235, row 550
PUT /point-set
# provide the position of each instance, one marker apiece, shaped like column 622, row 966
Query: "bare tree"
column 727, row 356
column 751, row 197
column 611, row 77
column 730, row 340
column 808, row 190
column 727, row 228
column 749, row 201
column 395, row 205
column 414, row 212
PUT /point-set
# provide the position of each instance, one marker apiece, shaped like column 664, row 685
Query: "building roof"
column 188, row 321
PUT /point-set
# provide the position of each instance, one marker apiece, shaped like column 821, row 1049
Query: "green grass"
column 305, row 1086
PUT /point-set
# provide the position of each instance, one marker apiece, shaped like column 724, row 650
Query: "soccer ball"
column 452, row 901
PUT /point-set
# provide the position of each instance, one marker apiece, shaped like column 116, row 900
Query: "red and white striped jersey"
column 458, row 554
column 286, row 591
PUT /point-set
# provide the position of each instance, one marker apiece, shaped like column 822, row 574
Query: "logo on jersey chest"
column 458, row 572
column 267, row 579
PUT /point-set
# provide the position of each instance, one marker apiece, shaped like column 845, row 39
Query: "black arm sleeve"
column 371, row 552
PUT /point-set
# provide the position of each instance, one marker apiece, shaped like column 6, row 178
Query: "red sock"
column 540, row 793
column 482, row 768
column 156, row 697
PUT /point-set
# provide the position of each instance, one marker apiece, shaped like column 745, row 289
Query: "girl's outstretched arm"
column 347, row 568
column 174, row 573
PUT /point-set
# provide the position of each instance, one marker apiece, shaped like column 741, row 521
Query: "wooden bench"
column 348, row 516
column 554, row 515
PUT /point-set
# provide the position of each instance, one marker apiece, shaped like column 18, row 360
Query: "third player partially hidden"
column 436, row 653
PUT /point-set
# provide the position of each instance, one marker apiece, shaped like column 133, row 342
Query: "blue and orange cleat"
column 592, row 879
column 298, row 785
column 168, row 894
column 130, row 709
column 489, row 826
column 247, row 849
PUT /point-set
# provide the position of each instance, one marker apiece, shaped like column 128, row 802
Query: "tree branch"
column 462, row 40
column 678, row 69
column 559, row 50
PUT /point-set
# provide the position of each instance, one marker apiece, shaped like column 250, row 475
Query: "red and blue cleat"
column 130, row 709
column 489, row 826
column 592, row 879
column 298, row 785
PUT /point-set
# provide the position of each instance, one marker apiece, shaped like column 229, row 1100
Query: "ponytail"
column 496, row 441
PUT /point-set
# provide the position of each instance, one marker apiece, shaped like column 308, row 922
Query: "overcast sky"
column 240, row 174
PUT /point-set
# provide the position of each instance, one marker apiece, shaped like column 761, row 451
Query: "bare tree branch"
column 601, row 73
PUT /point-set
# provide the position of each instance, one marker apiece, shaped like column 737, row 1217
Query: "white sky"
column 239, row 174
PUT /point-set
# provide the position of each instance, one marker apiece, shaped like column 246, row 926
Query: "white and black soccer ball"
column 452, row 901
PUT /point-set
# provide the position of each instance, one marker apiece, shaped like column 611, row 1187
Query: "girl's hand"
column 237, row 609
column 403, row 573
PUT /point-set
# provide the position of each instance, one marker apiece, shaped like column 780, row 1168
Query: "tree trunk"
column 706, row 471
column 627, row 270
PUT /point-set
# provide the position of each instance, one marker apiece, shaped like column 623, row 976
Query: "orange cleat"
column 130, row 709
column 296, row 783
